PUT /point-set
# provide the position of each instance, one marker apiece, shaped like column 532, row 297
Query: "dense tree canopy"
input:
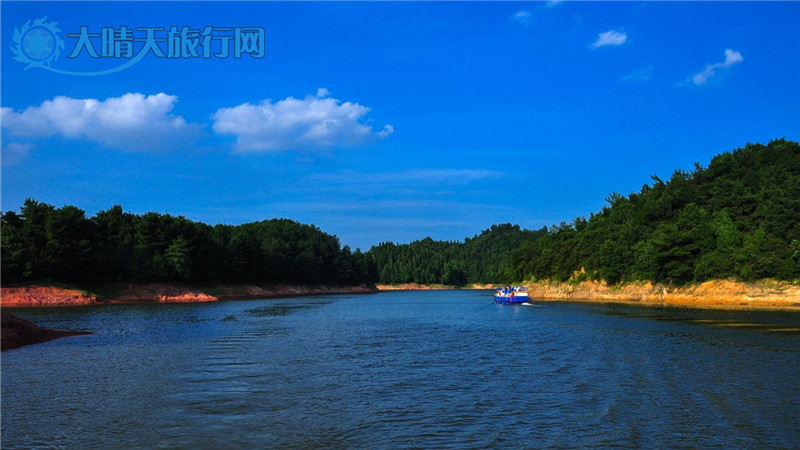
column 738, row 218
column 481, row 259
column 44, row 243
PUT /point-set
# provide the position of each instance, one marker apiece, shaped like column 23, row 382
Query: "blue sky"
column 394, row 121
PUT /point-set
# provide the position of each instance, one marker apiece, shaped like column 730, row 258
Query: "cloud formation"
column 133, row 121
column 449, row 175
column 642, row 74
column 314, row 123
column 522, row 16
column 14, row 152
column 411, row 176
column 731, row 57
column 610, row 37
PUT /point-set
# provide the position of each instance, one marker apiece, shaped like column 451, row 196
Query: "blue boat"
column 511, row 295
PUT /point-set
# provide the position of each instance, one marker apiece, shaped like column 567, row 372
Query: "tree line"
column 485, row 258
column 44, row 243
column 737, row 218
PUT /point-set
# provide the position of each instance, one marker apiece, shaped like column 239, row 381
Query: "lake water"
column 404, row 369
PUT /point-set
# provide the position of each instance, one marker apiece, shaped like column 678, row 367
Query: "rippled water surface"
column 404, row 369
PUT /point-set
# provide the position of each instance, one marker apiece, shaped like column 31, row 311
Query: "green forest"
column 43, row 243
column 738, row 218
column 482, row 259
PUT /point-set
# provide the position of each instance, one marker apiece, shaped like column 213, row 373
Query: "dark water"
column 393, row 370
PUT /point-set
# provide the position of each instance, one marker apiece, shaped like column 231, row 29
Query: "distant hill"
column 482, row 259
column 738, row 218
column 42, row 243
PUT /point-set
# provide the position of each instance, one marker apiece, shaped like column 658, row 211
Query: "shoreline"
column 763, row 295
column 127, row 293
column 431, row 287
column 18, row 332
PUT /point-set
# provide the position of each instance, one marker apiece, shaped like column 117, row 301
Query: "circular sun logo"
column 38, row 44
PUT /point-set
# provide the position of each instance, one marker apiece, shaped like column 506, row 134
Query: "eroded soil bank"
column 34, row 295
column 717, row 294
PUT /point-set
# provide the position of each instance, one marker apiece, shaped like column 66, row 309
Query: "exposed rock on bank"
column 717, row 294
column 167, row 293
column 157, row 293
column 44, row 296
column 17, row 332
column 161, row 293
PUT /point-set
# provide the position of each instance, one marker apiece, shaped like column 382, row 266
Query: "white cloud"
column 522, row 16
column 643, row 74
column 610, row 37
column 132, row 122
column 14, row 152
column 731, row 57
column 313, row 123
column 449, row 175
column 554, row 3
column 412, row 176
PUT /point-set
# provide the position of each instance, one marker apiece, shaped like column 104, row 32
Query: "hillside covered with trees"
column 44, row 243
column 738, row 218
column 482, row 259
